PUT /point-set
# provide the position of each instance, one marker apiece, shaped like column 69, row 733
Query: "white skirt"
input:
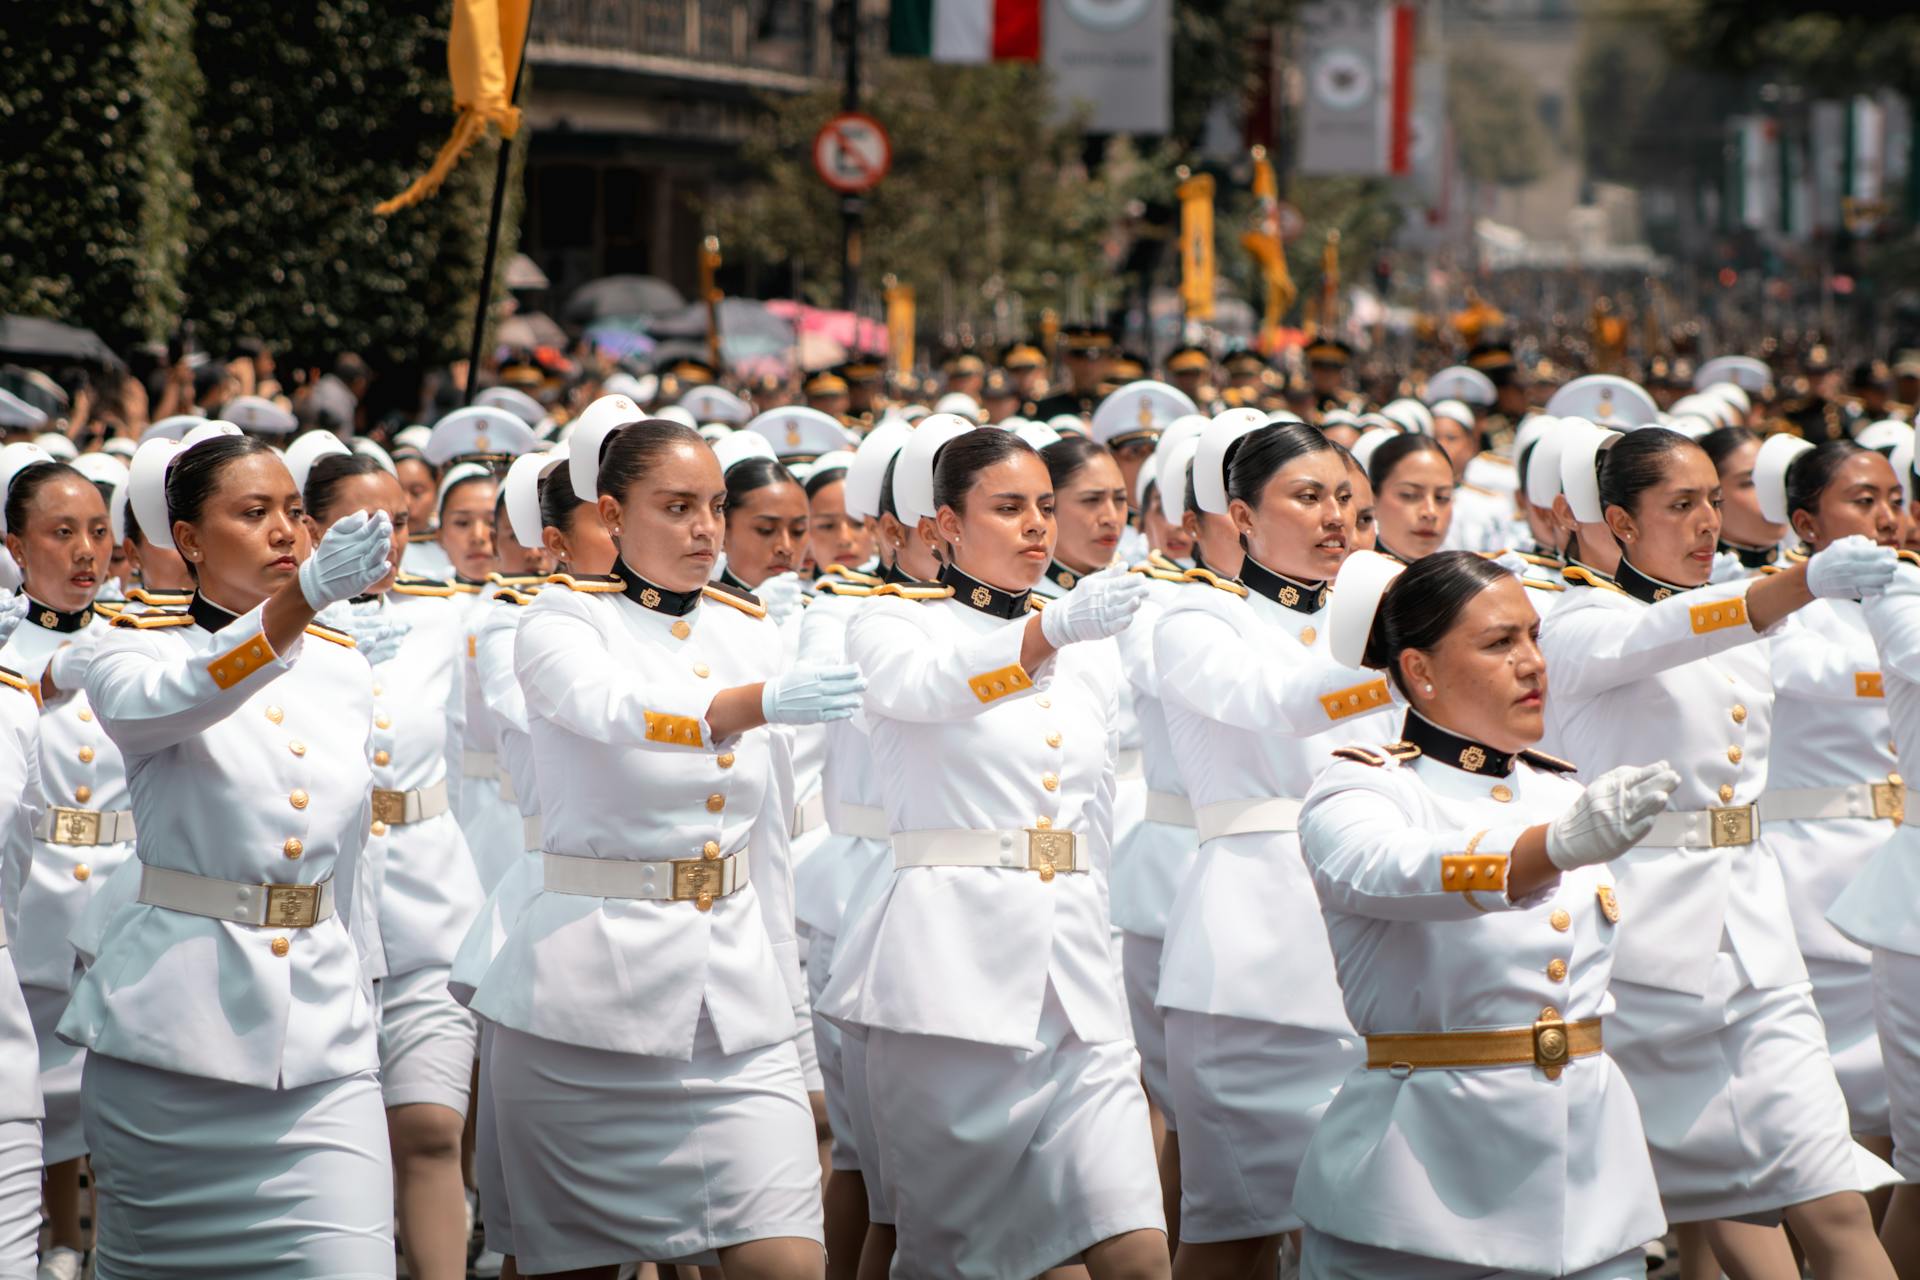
column 62, row 1136
column 426, row 1041
column 865, row 1138
column 1249, row 1096
column 1896, row 1004
column 828, row 1058
column 1843, row 994
column 1324, row 1257
column 19, row 1196
column 1005, row 1162
column 1743, row 1114
column 611, row 1157
column 489, row 1175
column 1140, row 976
column 202, row 1179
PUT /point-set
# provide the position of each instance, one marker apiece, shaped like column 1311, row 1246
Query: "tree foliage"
column 1491, row 105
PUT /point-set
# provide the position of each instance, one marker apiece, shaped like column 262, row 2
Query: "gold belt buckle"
column 698, row 880
column 76, row 826
column 389, row 807
column 293, row 906
column 1049, row 852
column 1551, row 1048
column 1732, row 826
column 1890, row 799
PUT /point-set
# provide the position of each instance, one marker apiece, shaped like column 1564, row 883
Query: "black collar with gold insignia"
column 1382, row 548
column 1450, row 748
column 727, row 579
column 1289, row 593
column 895, row 574
column 1641, row 587
column 1061, row 576
column 1751, row 557
column 209, row 616
column 463, row 580
column 45, row 615
column 675, row 604
column 976, row 594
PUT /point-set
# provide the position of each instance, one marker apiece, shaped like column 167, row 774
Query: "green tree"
column 1490, row 103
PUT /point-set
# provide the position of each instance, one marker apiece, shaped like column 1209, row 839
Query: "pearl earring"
column 1428, row 688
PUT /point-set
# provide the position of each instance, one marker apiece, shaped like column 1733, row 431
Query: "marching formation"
column 1142, row 830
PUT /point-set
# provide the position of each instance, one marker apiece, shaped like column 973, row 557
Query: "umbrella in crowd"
column 48, row 340
column 622, row 296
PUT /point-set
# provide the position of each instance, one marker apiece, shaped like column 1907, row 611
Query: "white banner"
column 1113, row 57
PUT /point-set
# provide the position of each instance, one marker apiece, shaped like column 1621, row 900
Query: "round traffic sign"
column 851, row 153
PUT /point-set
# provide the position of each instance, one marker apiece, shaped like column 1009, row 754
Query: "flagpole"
column 494, row 218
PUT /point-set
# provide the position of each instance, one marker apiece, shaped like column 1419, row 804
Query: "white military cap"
column 1410, row 414
column 709, row 403
column 1744, row 372
column 1460, row 382
column 1340, row 418
column 913, row 470
column 1279, row 416
column 741, row 446
column 1731, row 394
column 1068, row 424
column 1037, row 434
column 1210, row 456
column 121, row 447
column 588, row 441
column 17, row 415
column 258, row 415
column 1182, row 430
column 869, row 469
column 58, row 445
column 838, row 460
column 1777, row 453
column 1884, row 434
column 415, row 437
column 362, row 445
column 1138, row 411
column 14, row 459
column 457, row 474
column 1605, row 399
column 1454, row 411
column 1902, row 459
column 1170, row 475
column 679, row 414
column 522, row 494
column 1542, row 480
column 101, row 468
column 1714, row 409
column 1363, row 578
column 1690, row 425
column 714, row 432
column 1579, row 467
column 640, row 389
column 147, row 478
column 514, row 401
column 171, row 428
column 960, row 404
column 799, row 434
column 1369, row 443
column 308, row 448
column 478, row 431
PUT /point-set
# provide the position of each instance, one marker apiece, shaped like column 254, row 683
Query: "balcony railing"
column 776, row 36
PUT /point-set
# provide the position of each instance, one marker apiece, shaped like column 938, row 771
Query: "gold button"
column 716, row 802
column 382, row 722
column 710, row 850
column 681, row 630
column 704, row 902
column 86, row 755
column 299, row 798
column 1043, row 823
column 275, row 714
column 1726, row 792
column 293, row 849
column 1561, row 920
column 1557, row 970
column 82, row 871
column 700, row 669
column 298, row 747
column 379, row 827
column 85, row 714
column 1734, row 754
column 377, row 691
column 1501, row 792
column 1051, row 781
column 724, row 760
column 1739, row 714
column 381, row 757
column 83, row 794
column 1046, row 873
column 281, row 946
column 1307, row 635
column 1053, row 739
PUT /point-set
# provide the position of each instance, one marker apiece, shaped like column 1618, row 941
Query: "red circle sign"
column 852, row 152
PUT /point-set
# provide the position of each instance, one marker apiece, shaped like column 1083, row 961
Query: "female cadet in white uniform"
column 1257, row 1041
column 1004, row 1085
column 1833, row 784
column 1487, row 1136
column 647, row 1093
column 231, row 1099
column 1715, row 1026
column 20, row 1106
column 423, row 890
column 1413, row 487
column 1745, row 530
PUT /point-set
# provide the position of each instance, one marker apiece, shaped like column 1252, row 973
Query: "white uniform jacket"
column 493, row 639
column 964, row 738
column 617, row 696
column 19, row 793
column 1497, row 1167
column 1254, row 704
column 1151, row 859
column 250, row 766
column 1686, row 680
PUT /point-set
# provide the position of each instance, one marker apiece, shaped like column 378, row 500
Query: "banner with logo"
column 1113, row 58
column 1358, row 56
column 1196, row 245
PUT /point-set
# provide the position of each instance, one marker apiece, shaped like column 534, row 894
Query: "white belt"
column 506, row 787
column 283, row 906
column 695, row 880
column 1246, row 817
column 530, row 831
column 1045, row 851
column 808, row 814
column 861, row 821
column 479, row 764
column 1167, row 807
column 1860, row 800
column 84, row 826
column 1723, row 828
column 1128, row 764
column 397, row 807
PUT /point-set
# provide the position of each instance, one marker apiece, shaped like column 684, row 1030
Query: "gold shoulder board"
column 1213, row 579
column 1488, row 455
column 1158, row 574
column 14, row 680
column 1911, row 557
column 418, row 580
column 745, row 602
column 148, row 621
column 160, row 599
column 1359, row 755
column 1543, row 586
column 1158, row 559
column 514, row 597
column 913, row 593
column 1402, row 751
column 1552, row 764
column 592, row 586
column 328, row 633
column 1578, row 576
column 515, row 580
column 1035, row 604
column 423, row 587
column 853, row 575
column 833, row 588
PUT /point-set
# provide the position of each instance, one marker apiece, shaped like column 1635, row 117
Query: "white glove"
column 70, row 661
column 13, row 611
column 812, row 695
column 352, row 556
column 1613, row 815
column 781, row 595
column 1102, row 605
column 1851, row 568
column 1726, row 567
column 376, row 631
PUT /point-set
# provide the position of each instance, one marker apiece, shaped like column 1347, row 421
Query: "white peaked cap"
column 1579, row 468
column 1770, row 474
column 1209, row 458
column 1363, row 578
column 307, row 449
column 913, row 471
column 869, row 469
column 522, row 488
column 589, row 436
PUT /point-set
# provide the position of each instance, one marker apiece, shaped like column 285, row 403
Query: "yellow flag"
column 900, row 321
column 484, row 49
column 1264, row 244
column 1196, row 245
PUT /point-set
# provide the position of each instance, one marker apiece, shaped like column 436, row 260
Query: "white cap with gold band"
column 1362, row 580
column 1770, row 474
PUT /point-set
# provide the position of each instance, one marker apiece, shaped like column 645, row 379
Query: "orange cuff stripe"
column 1353, row 701
column 1471, row 872
column 680, row 730
column 241, row 661
column 998, row 684
column 1866, row 684
column 1717, row 616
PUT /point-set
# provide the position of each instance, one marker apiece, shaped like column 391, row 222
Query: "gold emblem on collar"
column 1289, row 596
column 1661, row 593
column 49, row 619
column 1472, row 758
column 1326, row 594
column 981, row 597
column 650, row 598
column 1066, row 581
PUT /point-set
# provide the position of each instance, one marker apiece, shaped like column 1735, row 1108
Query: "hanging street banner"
column 1358, row 57
column 1113, row 57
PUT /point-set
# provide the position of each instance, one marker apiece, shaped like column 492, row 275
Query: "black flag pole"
column 494, row 219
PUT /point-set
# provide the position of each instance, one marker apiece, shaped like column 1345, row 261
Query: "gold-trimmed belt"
column 1720, row 828
column 84, row 826
column 1038, row 849
column 279, row 906
column 396, row 808
column 1549, row 1044
column 695, row 880
column 1887, row 800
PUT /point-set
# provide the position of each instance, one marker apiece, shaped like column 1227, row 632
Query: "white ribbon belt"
column 506, row 787
column 1724, row 828
column 399, row 807
column 1045, row 851
column 1167, row 807
column 808, row 814
column 861, row 821
column 1246, row 817
column 696, row 880
column 479, row 764
column 84, row 826
column 1860, row 800
column 283, row 906
column 1128, row 764
column 530, row 831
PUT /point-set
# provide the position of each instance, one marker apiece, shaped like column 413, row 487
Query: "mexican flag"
column 966, row 30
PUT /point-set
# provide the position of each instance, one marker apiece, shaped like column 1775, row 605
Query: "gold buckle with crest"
column 1731, row 826
column 1551, row 1048
column 1050, row 852
column 293, row 906
column 75, row 826
column 1890, row 799
column 389, row 807
column 699, row 881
